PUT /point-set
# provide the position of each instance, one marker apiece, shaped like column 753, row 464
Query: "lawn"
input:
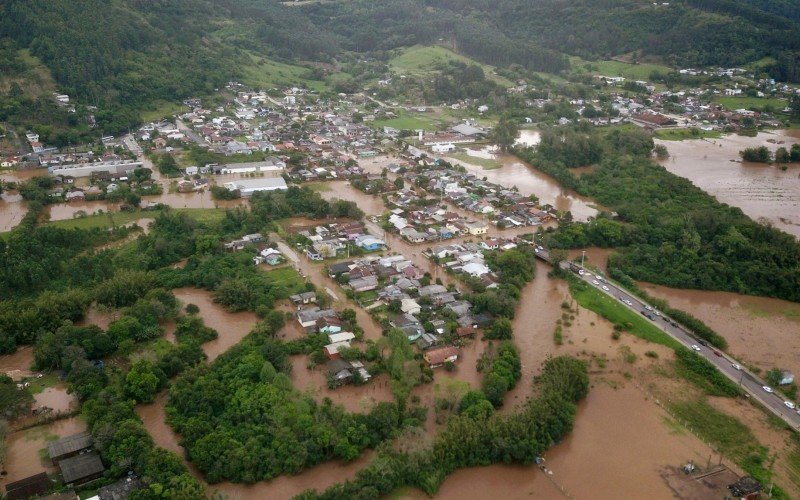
column 485, row 163
column 263, row 73
column 680, row 134
column 421, row 60
column 161, row 109
column 407, row 121
column 618, row 68
column 287, row 277
column 752, row 103
column 614, row 311
column 112, row 219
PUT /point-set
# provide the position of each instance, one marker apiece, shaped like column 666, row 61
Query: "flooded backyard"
column 763, row 192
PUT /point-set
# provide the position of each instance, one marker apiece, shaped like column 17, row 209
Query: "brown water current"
column 763, row 192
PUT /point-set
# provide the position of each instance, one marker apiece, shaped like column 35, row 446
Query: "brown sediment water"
column 18, row 364
column 284, row 487
column 528, row 137
column 57, row 398
column 763, row 192
column 12, row 210
column 515, row 172
column 231, row 327
column 23, row 457
column 592, row 256
column 760, row 331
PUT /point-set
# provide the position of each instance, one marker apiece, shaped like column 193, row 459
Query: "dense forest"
column 122, row 55
column 668, row 231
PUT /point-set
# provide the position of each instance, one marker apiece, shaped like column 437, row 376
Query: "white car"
column 695, row 347
column 580, row 271
column 629, row 302
column 658, row 313
column 605, row 288
column 648, row 308
column 767, row 389
column 595, row 282
column 736, row 366
column 789, row 405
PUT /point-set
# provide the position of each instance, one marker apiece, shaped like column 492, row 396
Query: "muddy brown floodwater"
column 23, row 458
column 515, row 172
column 17, row 365
column 232, row 327
column 761, row 191
column 760, row 331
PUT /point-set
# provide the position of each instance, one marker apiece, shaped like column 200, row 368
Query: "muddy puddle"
column 760, row 331
column 18, row 364
column 761, row 191
column 56, row 398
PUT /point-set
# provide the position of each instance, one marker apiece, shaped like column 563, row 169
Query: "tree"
column 501, row 329
column 760, row 154
column 142, row 382
column 782, row 155
column 505, row 133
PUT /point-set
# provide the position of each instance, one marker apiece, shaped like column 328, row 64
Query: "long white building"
column 87, row 169
column 247, row 187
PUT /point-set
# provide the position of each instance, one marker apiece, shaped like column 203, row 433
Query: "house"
column 410, row 306
column 82, row 468
column 369, row 242
column 303, row 298
column 339, row 372
column 427, row 341
column 364, row 284
column 441, row 355
column 308, row 317
column 341, row 337
column 31, row 486
column 476, row 228
column 329, row 324
column 332, row 350
column 412, row 235
column 270, row 256
column 69, row 446
column 121, row 490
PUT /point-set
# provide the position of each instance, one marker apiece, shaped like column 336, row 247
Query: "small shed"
column 35, row 485
column 82, row 468
column 69, row 446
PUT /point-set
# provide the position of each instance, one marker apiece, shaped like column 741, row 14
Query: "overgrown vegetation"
column 478, row 437
column 669, row 231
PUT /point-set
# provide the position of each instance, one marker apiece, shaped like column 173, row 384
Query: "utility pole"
column 583, row 256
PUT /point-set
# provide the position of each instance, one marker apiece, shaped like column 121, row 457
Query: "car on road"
column 767, row 389
column 620, row 298
column 648, row 308
column 605, row 288
column 658, row 313
column 629, row 302
column 695, row 347
column 702, row 342
column 789, row 405
column 717, row 353
column 580, row 271
column 595, row 282
column 736, row 366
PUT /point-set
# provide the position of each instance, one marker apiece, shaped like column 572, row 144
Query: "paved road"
column 190, row 133
column 750, row 383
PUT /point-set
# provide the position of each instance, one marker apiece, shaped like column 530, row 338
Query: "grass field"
column 680, row 134
column 752, row 103
column 485, row 163
column 728, row 435
column 287, row 277
column 263, row 73
column 161, row 109
column 409, row 121
column 617, row 68
column 421, row 60
column 611, row 309
column 111, row 219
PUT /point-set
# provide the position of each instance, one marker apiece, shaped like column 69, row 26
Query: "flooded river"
column 763, row 192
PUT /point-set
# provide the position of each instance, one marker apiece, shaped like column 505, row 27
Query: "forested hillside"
column 121, row 54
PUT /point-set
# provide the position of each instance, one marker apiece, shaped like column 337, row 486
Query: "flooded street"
column 761, row 191
column 232, row 327
column 760, row 331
